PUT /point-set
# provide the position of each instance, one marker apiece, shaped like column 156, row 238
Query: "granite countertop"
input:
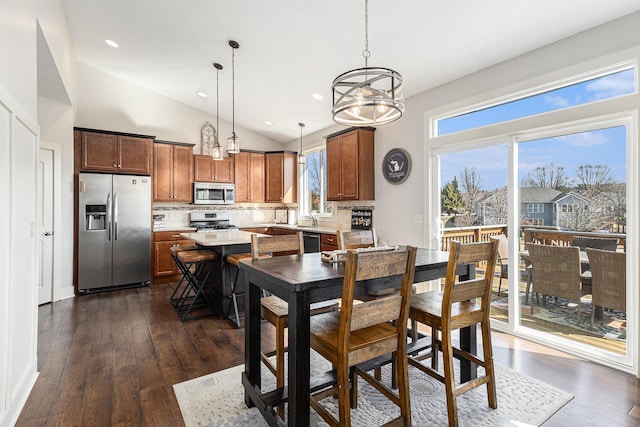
column 174, row 228
column 220, row 238
column 303, row 228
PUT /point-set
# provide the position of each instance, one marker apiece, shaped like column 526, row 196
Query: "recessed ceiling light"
column 317, row 96
column 111, row 43
column 268, row 123
column 202, row 94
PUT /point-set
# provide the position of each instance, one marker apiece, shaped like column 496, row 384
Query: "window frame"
column 303, row 187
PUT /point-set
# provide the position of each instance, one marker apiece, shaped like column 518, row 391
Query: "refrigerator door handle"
column 115, row 216
column 108, row 216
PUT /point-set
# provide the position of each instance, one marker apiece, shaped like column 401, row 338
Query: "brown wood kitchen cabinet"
column 281, row 177
column 164, row 267
column 350, row 165
column 205, row 169
column 328, row 242
column 172, row 172
column 104, row 151
column 249, row 177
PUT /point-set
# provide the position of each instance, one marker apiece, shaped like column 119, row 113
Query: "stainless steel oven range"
column 210, row 221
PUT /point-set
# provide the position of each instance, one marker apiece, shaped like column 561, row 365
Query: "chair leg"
column 487, row 350
column 344, row 405
column 434, row 348
column 280, row 350
column 449, row 381
column 401, row 372
column 234, row 301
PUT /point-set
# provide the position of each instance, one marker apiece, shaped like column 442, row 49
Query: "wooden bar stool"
column 197, row 266
column 275, row 310
column 181, row 287
column 234, row 259
column 459, row 305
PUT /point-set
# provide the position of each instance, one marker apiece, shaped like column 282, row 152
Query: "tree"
column 451, row 200
column 497, row 207
column 470, row 183
column 548, row 176
column 592, row 178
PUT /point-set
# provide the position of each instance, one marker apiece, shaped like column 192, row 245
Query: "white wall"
column 19, row 140
column 110, row 103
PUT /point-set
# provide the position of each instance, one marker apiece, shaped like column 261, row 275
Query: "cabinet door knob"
column 115, row 166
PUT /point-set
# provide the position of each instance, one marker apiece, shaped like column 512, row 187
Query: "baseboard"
column 17, row 404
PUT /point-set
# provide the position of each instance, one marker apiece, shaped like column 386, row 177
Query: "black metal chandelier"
column 367, row 96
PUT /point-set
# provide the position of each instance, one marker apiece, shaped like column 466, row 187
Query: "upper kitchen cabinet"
column 350, row 165
column 172, row 172
column 249, row 173
column 205, row 169
column 114, row 152
column 281, row 179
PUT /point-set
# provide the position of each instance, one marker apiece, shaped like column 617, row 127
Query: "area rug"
column 218, row 400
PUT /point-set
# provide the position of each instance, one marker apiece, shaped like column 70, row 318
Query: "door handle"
column 109, row 216
column 115, row 216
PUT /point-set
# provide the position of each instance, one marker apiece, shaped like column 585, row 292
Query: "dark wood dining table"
column 301, row 280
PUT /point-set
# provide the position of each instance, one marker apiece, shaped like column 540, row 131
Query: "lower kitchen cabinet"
column 164, row 267
column 328, row 242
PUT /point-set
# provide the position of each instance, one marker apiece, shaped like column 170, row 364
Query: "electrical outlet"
column 417, row 218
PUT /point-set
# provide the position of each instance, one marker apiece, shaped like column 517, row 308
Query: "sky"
column 603, row 146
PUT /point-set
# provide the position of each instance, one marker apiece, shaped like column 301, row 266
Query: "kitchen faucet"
column 314, row 221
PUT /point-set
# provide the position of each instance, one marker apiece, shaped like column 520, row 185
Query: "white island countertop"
column 220, row 238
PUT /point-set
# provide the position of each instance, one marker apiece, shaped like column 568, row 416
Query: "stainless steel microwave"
column 210, row 193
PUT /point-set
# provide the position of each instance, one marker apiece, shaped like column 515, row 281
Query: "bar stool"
column 197, row 266
column 179, row 289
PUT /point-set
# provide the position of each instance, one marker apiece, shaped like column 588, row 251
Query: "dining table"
column 302, row 280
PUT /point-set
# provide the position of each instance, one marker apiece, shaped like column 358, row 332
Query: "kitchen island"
column 223, row 242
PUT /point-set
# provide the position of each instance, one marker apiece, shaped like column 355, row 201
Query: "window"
column 537, row 221
column 313, row 185
column 567, row 208
column 535, row 208
column 606, row 86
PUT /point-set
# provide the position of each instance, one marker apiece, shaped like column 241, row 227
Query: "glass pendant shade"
column 233, row 143
column 301, row 157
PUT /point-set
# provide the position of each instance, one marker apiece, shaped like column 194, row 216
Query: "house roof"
column 538, row 194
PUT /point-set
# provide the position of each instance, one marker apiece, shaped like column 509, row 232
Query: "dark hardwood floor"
column 110, row 359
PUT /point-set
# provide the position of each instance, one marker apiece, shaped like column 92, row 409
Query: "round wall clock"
column 396, row 166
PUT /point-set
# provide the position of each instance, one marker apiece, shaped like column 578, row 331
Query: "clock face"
column 396, row 166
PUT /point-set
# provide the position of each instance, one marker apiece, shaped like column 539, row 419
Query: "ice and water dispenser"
column 95, row 217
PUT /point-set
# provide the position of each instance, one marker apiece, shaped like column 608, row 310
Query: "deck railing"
column 480, row 233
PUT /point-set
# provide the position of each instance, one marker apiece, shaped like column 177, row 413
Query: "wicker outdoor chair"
column 609, row 280
column 604, row 243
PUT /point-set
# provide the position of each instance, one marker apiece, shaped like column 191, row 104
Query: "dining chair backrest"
column 604, row 243
column 555, row 270
column 374, row 265
column 469, row 253
column 357, row 239
column 609, row 278
column 290, row 243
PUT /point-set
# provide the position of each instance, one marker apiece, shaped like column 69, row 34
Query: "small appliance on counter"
column 210, row 221
column 292, row 217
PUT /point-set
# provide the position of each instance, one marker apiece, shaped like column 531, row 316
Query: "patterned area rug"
column 218, row 400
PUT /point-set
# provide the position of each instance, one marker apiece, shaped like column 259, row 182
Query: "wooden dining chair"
column 609, row 280
column 357, row 239
column 459, row 305
column 273, row 309
column 365, row 331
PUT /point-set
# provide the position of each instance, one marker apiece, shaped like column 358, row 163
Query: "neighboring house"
column 539, row 206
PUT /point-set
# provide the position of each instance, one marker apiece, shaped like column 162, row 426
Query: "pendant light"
column 218, row 152
column 367, row 96
column 301, row 157
column 233, row 142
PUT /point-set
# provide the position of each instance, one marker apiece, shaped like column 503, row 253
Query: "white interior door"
column 45, row 226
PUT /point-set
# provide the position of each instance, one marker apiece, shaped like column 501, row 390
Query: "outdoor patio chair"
column 609, row 280
column 555, row 271
column 503, row 258
column 604, row 243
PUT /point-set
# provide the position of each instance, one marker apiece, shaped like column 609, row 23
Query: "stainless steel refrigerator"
column 114, row 231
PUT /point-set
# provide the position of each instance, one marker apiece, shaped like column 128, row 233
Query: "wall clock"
column 396, row 166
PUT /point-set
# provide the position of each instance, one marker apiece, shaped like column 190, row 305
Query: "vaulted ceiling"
column 291, row 49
